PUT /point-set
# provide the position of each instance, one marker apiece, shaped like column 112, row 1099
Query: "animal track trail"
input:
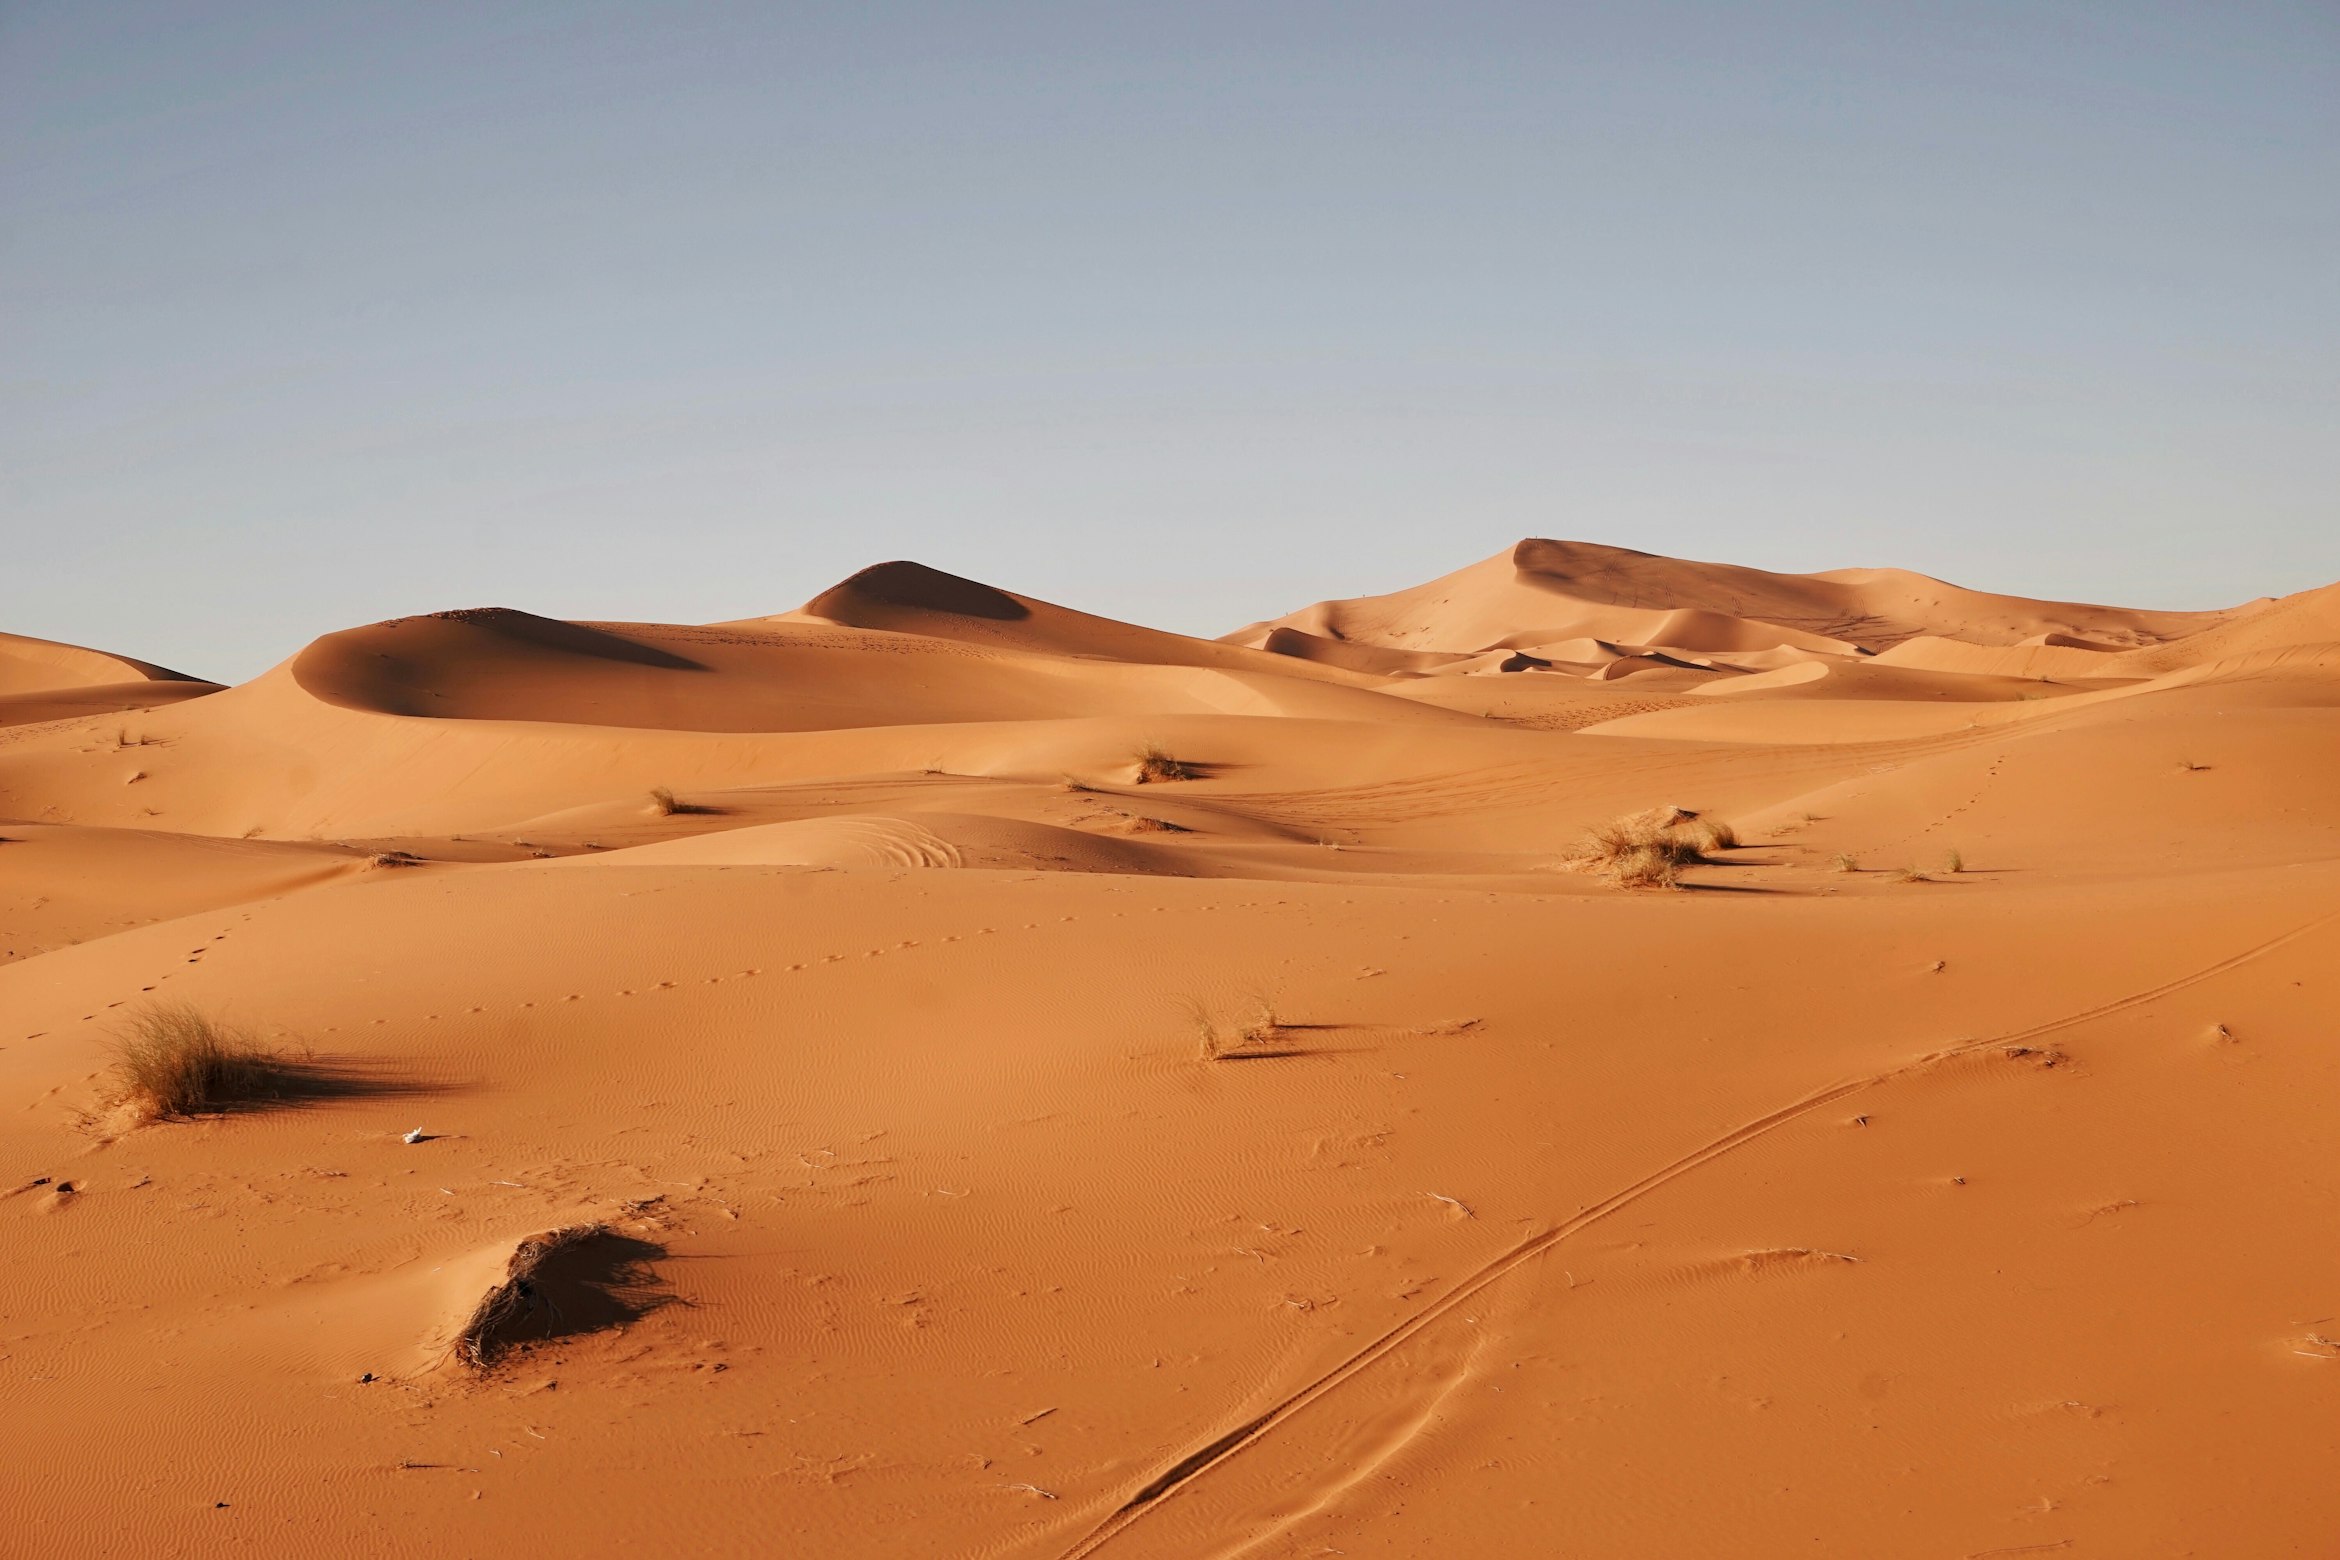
column 1198, row 1462
column 652, row 988
column 1990, row 774
column 191, row 956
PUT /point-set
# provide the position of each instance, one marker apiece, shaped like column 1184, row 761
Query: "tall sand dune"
column 1551, row 590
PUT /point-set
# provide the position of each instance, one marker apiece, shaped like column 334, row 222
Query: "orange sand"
column 1802, row 1211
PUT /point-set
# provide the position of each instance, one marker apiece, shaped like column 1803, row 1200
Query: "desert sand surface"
column 939, row 1073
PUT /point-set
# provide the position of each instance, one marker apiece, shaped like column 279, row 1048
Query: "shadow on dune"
column 286, row 1082
column 568, row 638
column 906, row 584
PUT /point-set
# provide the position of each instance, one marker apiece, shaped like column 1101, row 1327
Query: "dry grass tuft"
column 1144, row 825
column 394, row 858
column 1650, row 865
column 1712, row 834
column 663, row 803
column 1155, row 764
column 1954, row 862
column 1249, row 1039
column 176, row 1061
column 1910, row 875
column 1846, row 863
column 1649, row 850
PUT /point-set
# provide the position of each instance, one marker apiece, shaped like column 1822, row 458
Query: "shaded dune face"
column 492, row 663
column 912, row 591
column 1596, row 1054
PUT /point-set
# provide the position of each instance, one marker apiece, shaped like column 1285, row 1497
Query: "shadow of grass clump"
column 578, row 1279
column 176, row 1061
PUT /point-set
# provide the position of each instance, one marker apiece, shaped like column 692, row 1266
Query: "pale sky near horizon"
column 315, row 313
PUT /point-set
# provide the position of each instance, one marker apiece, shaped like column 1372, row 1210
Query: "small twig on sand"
column 1453, row 1202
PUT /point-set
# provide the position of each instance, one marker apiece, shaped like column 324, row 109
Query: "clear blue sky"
column 314, row 313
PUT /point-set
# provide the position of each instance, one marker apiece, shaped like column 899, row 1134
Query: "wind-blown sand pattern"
column 936, row 1073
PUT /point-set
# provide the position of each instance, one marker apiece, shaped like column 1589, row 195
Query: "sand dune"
column 41, row 680
column 1549, row 590
column 911, row 598
column 939, row 1073
column 44, row 666
column 496, row 664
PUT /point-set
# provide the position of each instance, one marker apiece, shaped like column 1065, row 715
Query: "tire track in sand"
column 1199, row 1461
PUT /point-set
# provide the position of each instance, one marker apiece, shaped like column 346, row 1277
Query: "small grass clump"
column 1910, row 875
column 1955, row 862
column 664, row 803
column 1155, row 764
column 1846, row 863
column 1228, row 1042
column 1650, row 849
column 177, row 1061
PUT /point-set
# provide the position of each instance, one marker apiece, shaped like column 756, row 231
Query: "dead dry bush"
column 1650, row 849
column 579, row 1278
column 664, row 803
column 1156, row 764
column 1252, row 1038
